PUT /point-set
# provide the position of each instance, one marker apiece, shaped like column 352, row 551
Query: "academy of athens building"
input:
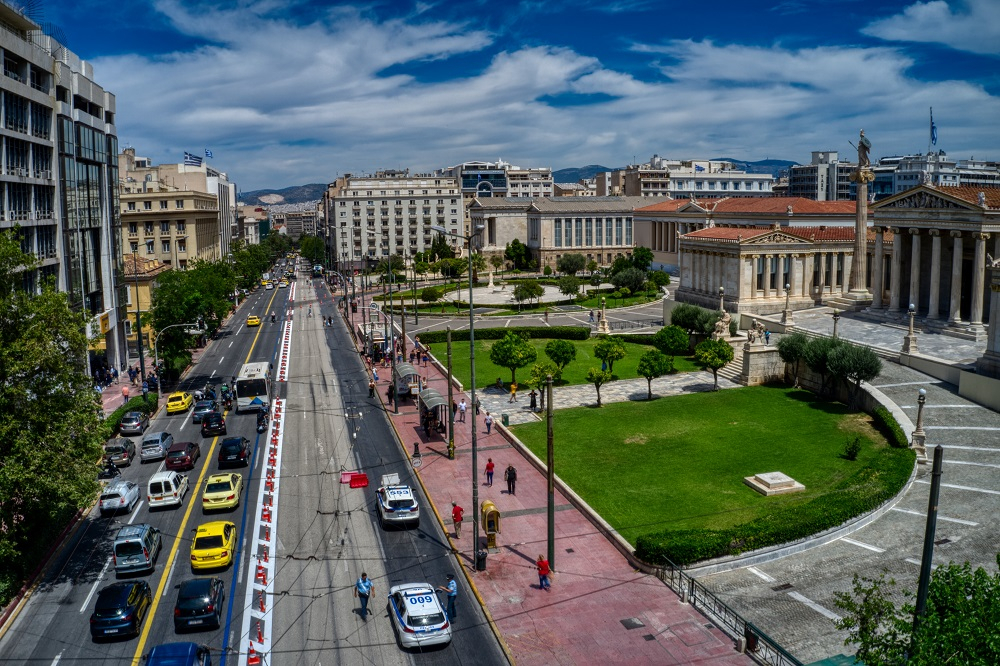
column 927, row 246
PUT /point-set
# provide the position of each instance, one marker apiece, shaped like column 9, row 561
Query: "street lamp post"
column 910, row 341
column 919, row 439
column 786, row 316
column 836, row 318
column 472, row 376
column 138, row 316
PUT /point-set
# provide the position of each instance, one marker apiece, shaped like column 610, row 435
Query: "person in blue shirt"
column 452, row 589
column 363, row 589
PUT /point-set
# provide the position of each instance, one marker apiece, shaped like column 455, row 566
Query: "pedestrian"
column 543, row 573
column 478, row 405
column 591, row 316
column 114, row 375
column 489, row 424
column 375, row 374
column 461, row 411
column 604, row 366
column 456, row 516
column 454, row 408
column 390, row 393
column 513, row 392
column 363, row 590
column 510, row 476
column 371, row 388
column 413, row 355
column 145, row 389
column 489, row 471
column 425, row 359
column 452, row 589
column 124, row 394
column 133, row 373
column 767, row 337
column 534, row 399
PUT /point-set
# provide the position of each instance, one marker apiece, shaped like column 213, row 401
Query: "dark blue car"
column 179, row 654
column 120, row 609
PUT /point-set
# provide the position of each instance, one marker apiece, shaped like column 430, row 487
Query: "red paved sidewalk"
column 579, row 620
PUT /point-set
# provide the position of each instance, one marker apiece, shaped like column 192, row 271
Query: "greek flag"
column 191, row 160
column 933, row 129
column 208, row 153
column 698, row 167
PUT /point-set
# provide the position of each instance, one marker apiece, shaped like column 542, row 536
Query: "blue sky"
column 286, row 93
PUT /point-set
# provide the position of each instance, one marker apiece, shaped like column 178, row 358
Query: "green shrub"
column 852, row 448
column 559, row 332
column 886, row 423
column 865, row 491
column 548, row 270
column 637, row 338
column 146, row 405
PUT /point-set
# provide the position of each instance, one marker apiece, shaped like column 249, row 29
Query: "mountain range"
column 289, row 195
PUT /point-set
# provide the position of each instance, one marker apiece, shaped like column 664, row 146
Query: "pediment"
column 926, row 200
column 776, row 238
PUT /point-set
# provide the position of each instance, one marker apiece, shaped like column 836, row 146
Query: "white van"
column 166, row 489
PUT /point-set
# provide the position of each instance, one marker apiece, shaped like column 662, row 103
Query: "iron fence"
column 759, row 646
column 630, row 325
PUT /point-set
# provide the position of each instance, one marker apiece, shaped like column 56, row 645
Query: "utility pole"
column 550, row 462
column 138, row 317
column 925, row 560
column 451, row 412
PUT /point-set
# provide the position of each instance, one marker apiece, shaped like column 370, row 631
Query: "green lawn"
column 575, row 372
column 679, row 462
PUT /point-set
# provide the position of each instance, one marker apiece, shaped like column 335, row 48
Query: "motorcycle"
column 272, row 317
column 262, row 421
column 109, row 470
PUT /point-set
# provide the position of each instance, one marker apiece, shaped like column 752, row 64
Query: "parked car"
column 120, row 609
column 136, row 548
column 199, row 604
column 166, row 489
column 214, row 424
column 183, row 455
column 119, row 495
column 234, row 451
column 155, row 446
column 133, row 423
column 416, row 612
column 179, row 401
column 214, row 546
column 120, row 451
column 202, row 409
column 222, row 491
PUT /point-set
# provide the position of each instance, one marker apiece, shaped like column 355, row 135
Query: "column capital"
column 896, row 230
column 981, row 236
column 955, row 234
column 879, row 229
column 933, row 232
column 914, row 231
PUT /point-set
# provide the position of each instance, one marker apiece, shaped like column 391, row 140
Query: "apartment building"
column 481, row 180
column 825, row 178
column 678, row 179
column 297, row 223
column 140, row 276
column 58, row 175
column 369, row 218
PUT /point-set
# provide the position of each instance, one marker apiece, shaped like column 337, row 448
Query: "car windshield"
column 232, row 447
column 128, row 548
column 425, row 620
column 207, row 542
column 251, row 387
column 400, row 503
column 156, row 488
column 130, row 418
column 109, row 608
column 219, row 487
column 178, row 454
column 114, row 448
column 176, row 398
column 110, row 497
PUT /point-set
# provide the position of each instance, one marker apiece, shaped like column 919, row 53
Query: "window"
column 131, row 205
column 589, row 231
column 149, row 247
column 164, row 227
column 558, row 232
column 618, row 231
column 579, row 231
column 599, row 227
column 179, row 204
column 697, row 185
column 180, row 226
column 148, row 228
column 147, row 205
column 163, row 204
column 607, row 228
column 166, row 247
column 133, row 228
column 628, row 231
column 135, row 247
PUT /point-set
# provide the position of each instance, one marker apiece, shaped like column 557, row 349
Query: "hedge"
column 146, row 405
column 561, row 332
column 886, row 423
column 865, row 491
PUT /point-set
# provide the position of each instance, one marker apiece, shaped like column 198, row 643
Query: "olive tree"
column 571, row 264
column 791, row 349
column 512, row 352
column 653, row 364
column 854, row 364
column 713, row 355
column 598, row 378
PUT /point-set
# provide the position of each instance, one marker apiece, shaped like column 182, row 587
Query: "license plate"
column 195, row 621
column 111, row 631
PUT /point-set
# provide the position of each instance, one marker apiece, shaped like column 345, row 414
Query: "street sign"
column 374, row 306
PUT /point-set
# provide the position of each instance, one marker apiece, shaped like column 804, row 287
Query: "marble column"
column 878, row 269
column 895, row 281
column 978, row 281
column 989, row 363
column 955, row 307
column 807, row 272
column 768, row 268
column 795, row 274
column 822, row 274
column 915, row 267
column 934, row 300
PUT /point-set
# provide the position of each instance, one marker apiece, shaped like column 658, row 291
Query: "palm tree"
column 478, row 264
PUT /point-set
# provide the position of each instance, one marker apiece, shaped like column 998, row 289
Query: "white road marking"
column 815, row 606
column 923, row 514
column 913, row 560
column 135, row 511
column 231, row 343
column 220, row 363
column 760, row 574
column 882, row 386
column 93, row 588
column 961, row 428
column 964, row 462
column 874, row 549
column 171, row 573
column 56, row 660
column 971, row 448
column 943, row 407
column 958, row 487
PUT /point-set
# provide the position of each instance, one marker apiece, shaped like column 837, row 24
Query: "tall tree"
column 713, row 355
column 50, row 433
column 642, row 258
column 512, row 352
column 631, row 278
column 569, row 285
column 571, row 263
column 478, row 265
column 791, row 349
column 609, row 349
column 598, row 378
column 539, row 375
column 528, row 290
column 816, row 355
column 854, row 364
column 517, row 253
column 653, row 364
column 672, row 340
column 440, row 248
column 496, row 261
column 562, row 353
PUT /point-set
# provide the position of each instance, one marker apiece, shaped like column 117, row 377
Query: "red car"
column 183, row 455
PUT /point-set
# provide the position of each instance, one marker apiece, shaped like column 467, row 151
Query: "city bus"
column 253, row 387
column 318, row 270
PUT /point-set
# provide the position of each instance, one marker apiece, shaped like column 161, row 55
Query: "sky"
column 287, row 92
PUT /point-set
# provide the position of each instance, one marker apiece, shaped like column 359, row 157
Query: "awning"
column 405, row 370
column 431, row 398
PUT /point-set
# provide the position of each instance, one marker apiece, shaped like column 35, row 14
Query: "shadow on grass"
column 821, row 403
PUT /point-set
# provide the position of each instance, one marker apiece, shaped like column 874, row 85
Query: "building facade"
column 370, row 218
column 826, row 178
column 58, row 176
column 661, row 177
column 140, row 275
column 599, row 228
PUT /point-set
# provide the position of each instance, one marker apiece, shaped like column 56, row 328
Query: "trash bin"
column 505, row 419
column 480, row 560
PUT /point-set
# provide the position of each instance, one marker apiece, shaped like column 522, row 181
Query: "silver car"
column 416, row 612
column 134, row 423
column 203, row 408
column 155, row 446
column 119, row 495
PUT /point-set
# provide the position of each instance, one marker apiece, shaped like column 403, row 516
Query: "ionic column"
column 978, row 280
column 807, row 272
column 897, row 268
column 822, row 274
column 753, row 275
column 878, row 270
column 767, row 276
column 934, row 301
column 915, row 267
column 955, row 307
column 795, row 274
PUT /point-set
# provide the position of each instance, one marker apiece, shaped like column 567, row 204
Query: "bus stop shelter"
column 433, row 411
column 406, row 379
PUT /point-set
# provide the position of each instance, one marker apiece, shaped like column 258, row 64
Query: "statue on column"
column 864, row 148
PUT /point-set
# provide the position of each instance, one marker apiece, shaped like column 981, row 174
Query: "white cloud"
column 281, row 104
column 975, row 28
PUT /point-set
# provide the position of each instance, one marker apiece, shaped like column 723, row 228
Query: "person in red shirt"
column 456, row 517
column 543, row 573
column 489, row 471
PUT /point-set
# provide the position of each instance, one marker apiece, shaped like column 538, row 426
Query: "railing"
column 628, row 325
column 759, row 646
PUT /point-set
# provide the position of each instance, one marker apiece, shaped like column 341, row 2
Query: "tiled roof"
column 779, row 205
column 970, row 193
column 133, row 266
column 667, row 205
column 588, row 204
column 819, row 234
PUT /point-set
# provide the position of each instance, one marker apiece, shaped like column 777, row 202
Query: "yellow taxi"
column 214, row 546
column 222, row 491
column 179, row 401
column 253, row 320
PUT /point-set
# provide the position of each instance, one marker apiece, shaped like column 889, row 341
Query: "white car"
column 395, row 502
column 418, row 616
column 119, row 495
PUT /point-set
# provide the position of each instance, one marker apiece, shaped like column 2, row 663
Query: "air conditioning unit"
column 47, row 175
column 22, row 172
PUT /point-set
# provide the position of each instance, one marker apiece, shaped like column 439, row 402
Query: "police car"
column 417, row 614
column 396, row 503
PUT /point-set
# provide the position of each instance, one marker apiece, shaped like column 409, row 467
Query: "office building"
column 679, row 179
column 825, row 178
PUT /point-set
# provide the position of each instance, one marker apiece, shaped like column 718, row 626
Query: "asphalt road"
column 326, row 534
